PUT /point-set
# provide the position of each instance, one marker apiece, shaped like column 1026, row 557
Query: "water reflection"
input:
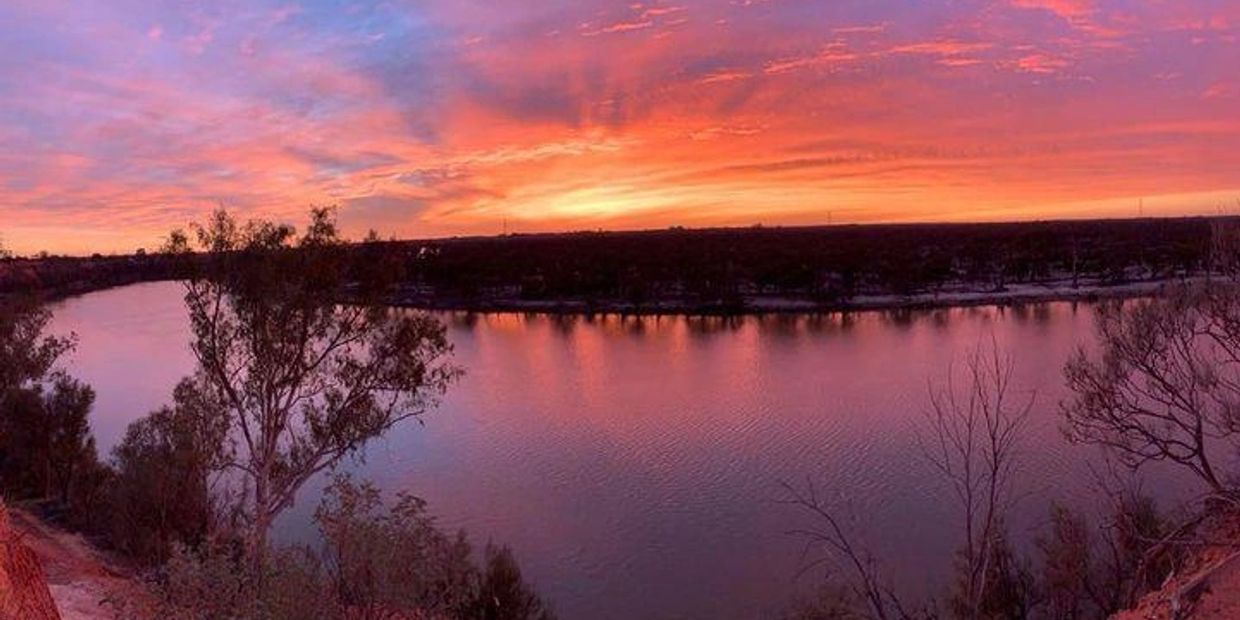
column 770, row 325
column 632, row 461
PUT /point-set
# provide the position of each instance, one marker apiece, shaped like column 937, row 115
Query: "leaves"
column 296, row 342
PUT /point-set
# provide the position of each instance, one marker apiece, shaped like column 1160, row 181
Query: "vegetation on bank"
column 727, row 269
column 289, row 385
column 53, row 277
column 732, row 270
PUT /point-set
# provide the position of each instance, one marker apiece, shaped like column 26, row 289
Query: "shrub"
column 216, row 581
column 1068, row 571
column 502, row 592
column 45, row 439
column 395, row 558
column 829, row 602
column 1092, row 572
column 165, row 466
column 1008, row 589
column 375, row 563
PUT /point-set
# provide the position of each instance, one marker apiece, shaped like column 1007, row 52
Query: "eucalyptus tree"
column 27, row 352
column 293, row 338
column 44, row 434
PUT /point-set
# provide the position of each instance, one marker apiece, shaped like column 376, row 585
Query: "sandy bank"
column 82, row 579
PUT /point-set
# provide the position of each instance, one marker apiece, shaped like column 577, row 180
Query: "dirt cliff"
column 1206, row 586
column 24, row 594
column 85, row 582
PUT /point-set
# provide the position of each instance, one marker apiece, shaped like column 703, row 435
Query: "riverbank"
column 956, row 296
column 962, row 295
column 735, row 271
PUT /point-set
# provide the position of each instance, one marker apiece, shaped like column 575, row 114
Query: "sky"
column 123, row 119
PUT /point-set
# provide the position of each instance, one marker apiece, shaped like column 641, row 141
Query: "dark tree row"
column 63, row 276
column 723, row 267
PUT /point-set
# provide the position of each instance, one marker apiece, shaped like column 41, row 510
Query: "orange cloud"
column 1067, row 9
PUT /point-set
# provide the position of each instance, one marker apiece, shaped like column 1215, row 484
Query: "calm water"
column 634, row 464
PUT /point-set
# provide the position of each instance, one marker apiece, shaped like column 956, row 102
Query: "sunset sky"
column 122, row 119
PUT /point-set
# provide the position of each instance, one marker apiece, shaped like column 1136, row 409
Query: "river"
column 634, row 464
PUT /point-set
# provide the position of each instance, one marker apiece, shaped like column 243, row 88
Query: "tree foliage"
column 27, row 353
column 719, row 268
column 1091, row 570
column 167, row 467
column 45, row 440
column 391, row 557
column 298, row 347
column 376, row 561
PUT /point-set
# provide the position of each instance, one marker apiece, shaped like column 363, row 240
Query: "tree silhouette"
column 298, row 347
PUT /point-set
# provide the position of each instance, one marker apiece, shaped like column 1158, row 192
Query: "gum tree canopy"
column 27, row 354
column 294, row 341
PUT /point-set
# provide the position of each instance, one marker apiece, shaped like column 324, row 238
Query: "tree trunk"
column 262, row 523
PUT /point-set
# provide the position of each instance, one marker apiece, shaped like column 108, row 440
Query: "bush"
column 395, row 558
column 375, row 563
column 1093, row 572
column 161, row 493
column 45, row 439
column 1008, row 589
column 829, row 602
column 502, row 592
column 215, row 581
column 1068, row 578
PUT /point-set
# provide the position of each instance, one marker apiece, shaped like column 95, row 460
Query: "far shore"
column 740, row 271
column 956, row 297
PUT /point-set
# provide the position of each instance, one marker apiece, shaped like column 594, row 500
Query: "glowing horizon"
column 425, row 118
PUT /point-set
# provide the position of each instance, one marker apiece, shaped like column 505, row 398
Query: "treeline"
column 724, row 268
column 59, row 276
column 289, row 386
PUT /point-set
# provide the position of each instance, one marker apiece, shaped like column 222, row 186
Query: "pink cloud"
column 1067, row 9
column 1219, row 90
column 629, row 26
column 944, row 48
column 831, row 55
column 725, row 76
column 1041, row 63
